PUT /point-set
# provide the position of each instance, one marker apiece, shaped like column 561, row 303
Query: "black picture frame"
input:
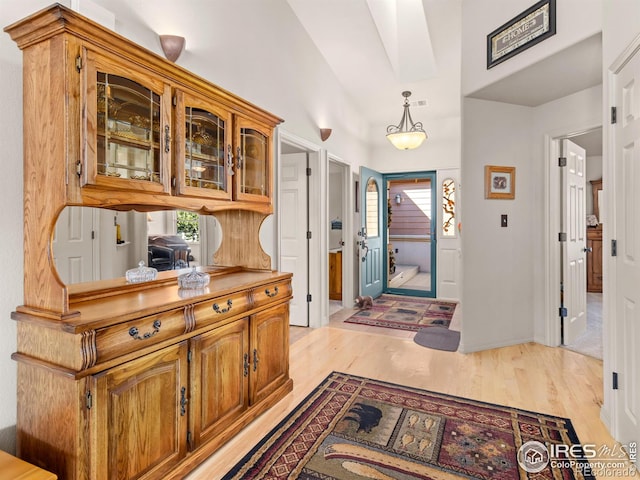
column 532, row 26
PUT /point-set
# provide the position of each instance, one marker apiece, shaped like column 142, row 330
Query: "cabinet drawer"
column 120, row 339
column 221, row 308
column 271, row 293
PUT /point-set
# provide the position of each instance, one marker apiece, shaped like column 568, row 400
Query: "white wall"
column 498, row 262
column 499, row 312
column 576, row 20
column 620, row 25
column 504, row 267
column 11, row 224
column 282, row 72
column 413, row 253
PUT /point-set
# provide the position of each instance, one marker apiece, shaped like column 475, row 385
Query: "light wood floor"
column 528, row 376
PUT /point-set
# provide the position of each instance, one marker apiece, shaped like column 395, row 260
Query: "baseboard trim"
column 605, row 416
column 8, row 439
column 488, row 346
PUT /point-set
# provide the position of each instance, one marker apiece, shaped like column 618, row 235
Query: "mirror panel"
column 91, row 244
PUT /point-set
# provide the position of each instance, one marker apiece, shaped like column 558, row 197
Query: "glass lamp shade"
column 407, row 140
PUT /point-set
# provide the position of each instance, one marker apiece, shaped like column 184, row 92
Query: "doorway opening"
column 582, row 292
column 298, row 173
column 338, row 212
column 410, row 234
column 398, row 240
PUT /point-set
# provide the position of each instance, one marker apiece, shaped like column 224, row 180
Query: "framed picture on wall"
column 499, row 182
column 521, row 32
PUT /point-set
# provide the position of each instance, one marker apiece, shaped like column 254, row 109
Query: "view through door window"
column 409, row 234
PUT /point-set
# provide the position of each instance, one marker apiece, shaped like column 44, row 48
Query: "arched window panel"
column 448, row 208
column 372, row 208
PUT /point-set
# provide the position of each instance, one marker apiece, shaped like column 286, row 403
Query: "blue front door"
column 371, row 235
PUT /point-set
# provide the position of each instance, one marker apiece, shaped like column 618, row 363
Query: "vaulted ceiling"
column 407, row 44
column 379, row 48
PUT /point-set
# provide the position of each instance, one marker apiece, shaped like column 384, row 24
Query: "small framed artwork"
column 499, row 182
column 521, row 32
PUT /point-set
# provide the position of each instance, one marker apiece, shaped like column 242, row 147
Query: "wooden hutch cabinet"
column 141, row 380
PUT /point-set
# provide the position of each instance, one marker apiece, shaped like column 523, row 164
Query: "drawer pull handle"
column 246, row 364
column 269, row 293
column 217, row 308
column 255, row 359
column 135, row 333
column 183, row 401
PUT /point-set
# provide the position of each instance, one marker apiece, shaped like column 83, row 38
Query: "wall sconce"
column 398, row 199
column 325, row 133
column 172, row 46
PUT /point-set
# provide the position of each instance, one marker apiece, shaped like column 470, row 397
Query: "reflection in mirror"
column 372, row 208
column 92, row 244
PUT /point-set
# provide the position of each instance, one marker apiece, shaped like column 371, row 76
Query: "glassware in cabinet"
column 253, row 169
column 203, row 151
column 127, row 133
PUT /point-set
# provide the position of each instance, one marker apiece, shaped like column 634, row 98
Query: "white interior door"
column 626, row 230
column 73, row 245
column 574, row 249
column 293, row 237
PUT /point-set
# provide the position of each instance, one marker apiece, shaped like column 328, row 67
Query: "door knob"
column 587, row 249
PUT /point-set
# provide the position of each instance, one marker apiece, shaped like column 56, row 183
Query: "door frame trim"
column 552, row 330
column 610, row 412
column 348, row 294
column 315, row 162
column 433, row 247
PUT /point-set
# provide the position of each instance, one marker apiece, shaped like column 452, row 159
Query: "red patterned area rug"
column 352, row 428
column 405, row 313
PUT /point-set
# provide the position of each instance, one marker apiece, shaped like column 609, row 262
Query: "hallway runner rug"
column 405, row 313
column 351, row 428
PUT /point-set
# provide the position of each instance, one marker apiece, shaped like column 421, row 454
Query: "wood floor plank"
column 529, row 376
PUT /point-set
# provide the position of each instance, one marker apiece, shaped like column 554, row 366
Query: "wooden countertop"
column 13, row 468
column 103, row 311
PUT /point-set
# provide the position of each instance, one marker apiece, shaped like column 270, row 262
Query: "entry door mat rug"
column 405, row 313
column 352, row 428
column 438, row 338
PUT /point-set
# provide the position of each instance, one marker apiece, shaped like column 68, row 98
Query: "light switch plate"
column 503, row 220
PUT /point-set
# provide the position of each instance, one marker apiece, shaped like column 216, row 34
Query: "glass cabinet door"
column 253, row 162
column 203, row 161
column 126, row 130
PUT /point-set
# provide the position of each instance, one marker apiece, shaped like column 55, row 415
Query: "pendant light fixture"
column 406, row 135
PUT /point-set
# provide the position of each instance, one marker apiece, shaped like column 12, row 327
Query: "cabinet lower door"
column 139, row 416
column 269, row 351
column 220, row 383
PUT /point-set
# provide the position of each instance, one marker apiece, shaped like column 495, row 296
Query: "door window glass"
column 448, row 208
column 373, row 197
